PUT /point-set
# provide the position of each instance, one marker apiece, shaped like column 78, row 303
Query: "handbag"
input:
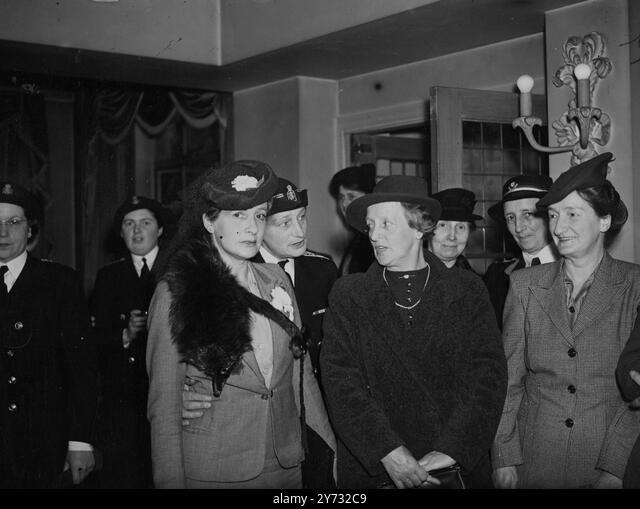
column 450, row 479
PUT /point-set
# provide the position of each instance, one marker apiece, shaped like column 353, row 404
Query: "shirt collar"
column 17, row 264
column 545, row 255
column 269, row 258
column 150, row 257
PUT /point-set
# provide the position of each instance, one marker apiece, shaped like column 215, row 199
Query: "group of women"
column 415, row 374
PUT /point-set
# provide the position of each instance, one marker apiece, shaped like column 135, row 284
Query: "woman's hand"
column 607, row 481
column 404, row 470
column 193, row 404
column 505, row 478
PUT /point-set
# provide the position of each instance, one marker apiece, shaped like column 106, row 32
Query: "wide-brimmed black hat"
column 137, row 202
column 18, row 195
column 239, row 185
column 518, row 188
column 361, row 177
column 457, row 205
column 401, row 188
column 587, row 174
column 287, row 197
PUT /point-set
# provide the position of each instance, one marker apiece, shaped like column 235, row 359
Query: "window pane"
column 510, row 137
column 492, row 161
column 383, row 168
column 471, row 160
column 471, row 134
column 491, row 135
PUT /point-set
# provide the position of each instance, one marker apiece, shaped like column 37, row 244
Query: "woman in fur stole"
column 228, row 328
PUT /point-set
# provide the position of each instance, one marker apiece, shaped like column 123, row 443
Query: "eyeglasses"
column 14, row 223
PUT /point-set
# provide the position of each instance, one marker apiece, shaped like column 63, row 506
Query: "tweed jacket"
column 228, row 443
column 437, row 386
column 48, row 365
column 564, row 419
column 630, row 359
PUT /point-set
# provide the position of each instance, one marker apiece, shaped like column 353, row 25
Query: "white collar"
column 150, row 257
column 17, row 264
column 545, row 255
column 289, row 268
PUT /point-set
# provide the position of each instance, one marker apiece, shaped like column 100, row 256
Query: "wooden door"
column 474, row 146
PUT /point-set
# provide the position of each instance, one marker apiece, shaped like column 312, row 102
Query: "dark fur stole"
column 210, row 313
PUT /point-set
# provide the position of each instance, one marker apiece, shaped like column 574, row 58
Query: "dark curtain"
column 24, row 154
column 106, row 152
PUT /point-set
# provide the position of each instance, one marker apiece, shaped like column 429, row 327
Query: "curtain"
column 24, row 154
column 106, row 156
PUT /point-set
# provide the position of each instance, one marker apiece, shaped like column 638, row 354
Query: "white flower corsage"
column 281, row 300
column 244, row 182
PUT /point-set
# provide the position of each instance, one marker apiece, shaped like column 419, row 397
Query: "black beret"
column 18, row 195
column 457, row 205
column 135, row 202
column 287, row 197
column 587, row 174
column 239, row 185
column 518, row 188
column 361, row 177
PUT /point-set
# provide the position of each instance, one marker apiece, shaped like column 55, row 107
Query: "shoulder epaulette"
column 313, row 254
column 115, row 261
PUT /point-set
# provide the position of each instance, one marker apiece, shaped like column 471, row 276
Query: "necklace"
column 384, row 276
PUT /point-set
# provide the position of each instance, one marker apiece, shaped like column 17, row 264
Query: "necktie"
column 144, row 273
column 535, row 261
column 282, row 263
column 4, row 293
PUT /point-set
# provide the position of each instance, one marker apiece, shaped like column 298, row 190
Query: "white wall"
column 613, row 95
column 297, row 125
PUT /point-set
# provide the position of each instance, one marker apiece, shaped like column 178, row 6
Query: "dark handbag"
column 450, row 479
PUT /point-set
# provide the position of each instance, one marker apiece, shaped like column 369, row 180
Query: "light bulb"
column 582, row 71
column 525, row 83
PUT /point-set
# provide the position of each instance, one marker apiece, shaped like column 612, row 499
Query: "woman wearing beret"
column 451, row 234
column 346, row 186
column 229, row 328
column 410, row 386
column 565, row 424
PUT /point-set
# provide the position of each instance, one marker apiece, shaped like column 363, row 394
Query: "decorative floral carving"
column 590, row 50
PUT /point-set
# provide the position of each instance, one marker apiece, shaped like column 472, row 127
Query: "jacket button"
column 572, row 389
column 18, row 326
column 13, row 407
column 568, row 423
column 131, row 359
column 10, row 353
column 12, row 380
column 572, row 352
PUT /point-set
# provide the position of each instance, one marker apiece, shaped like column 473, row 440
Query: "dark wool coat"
column 438, row 386
column 123, row 428
column 48, row 367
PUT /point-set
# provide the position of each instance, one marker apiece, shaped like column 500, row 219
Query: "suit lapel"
column 608, row 284
column 280, row 339
column 550, row 294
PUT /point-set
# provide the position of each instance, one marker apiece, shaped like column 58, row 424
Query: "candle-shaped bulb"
column 525, row 83
column 582, row 71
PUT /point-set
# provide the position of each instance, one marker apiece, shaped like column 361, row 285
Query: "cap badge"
column 513, row 185
column 135, row 200
column 291, row 194
column 244, row 182
column 7, row 189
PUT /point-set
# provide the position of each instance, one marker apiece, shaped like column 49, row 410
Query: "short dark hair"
column 606, row 201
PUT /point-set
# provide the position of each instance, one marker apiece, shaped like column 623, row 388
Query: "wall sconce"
column 582, row 125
